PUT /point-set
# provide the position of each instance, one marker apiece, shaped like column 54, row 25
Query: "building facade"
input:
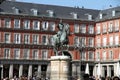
column 26, row 43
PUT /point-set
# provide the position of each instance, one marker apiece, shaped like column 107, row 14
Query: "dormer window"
column 101, row 15
column 113, row 13
column 50, row 13
column 15, row 10
column 34, row 12
column 89, row 17
column 74, row 15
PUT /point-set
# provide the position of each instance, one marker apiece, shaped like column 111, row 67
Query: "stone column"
column 78, row 71
column 1, row 71
column 20, row 70
column 74, row 70
column 30, row 71
column 103, row 71
column 108, row 72
column 115, row 70
column 48, row 71
column 11, row 71
column 39, row 71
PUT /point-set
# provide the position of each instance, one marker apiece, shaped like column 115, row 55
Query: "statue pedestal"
column 60, row 68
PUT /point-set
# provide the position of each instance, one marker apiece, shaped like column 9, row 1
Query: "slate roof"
column 60, row 11
column 107, row 13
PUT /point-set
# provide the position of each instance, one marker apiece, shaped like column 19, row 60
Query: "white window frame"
column 16, row 54
column 83, row 28
column 7, row 53
column 44, row 54
column 16, row 23
column 51, row 41
column 116, row 39
column 111, row 55
column 9, row 39
column 35, row 55
column 83, row 55
column 35, row 38
column 104, row 56
column 110, row 27
column 8, row 24
column 104, row 26
column 98, row 29
column 104, row 41
column 83, row 41
column 52, row 26
column 45, row 25
column 91, row 29
column 111, row 40
column 17, row 38
column 26, row 38
column 98, row 42
column 76, row 28
column 26, row 24
column 90, row 55
column 26, row 53
column 36, row 25
column 117, row 24
column 98, row 56
column 76, row 41
column 91, row 42
column 46, row 41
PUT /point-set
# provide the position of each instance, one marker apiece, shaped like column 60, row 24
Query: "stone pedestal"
column 60, row 68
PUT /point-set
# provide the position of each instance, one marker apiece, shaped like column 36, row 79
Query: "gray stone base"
column 60, row 68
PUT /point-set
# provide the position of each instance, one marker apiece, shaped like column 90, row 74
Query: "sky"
column 90, row 4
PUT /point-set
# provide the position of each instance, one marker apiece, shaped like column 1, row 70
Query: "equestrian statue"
column 61, row 37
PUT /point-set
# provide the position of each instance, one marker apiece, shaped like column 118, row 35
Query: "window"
column 6, row 53
column 98, row 29
column 0, row 23
column 35, row 39
column 116, row 40
column 34, row 12
column 111, row 55
column 117, row 25
column 45, row 25
column 111, row 40
column 101, row 15
column 83, row 55
column 98, row 56
column 16, row 53
column 110, row 27
column 35, row 54
column 26, row 53
column 91, row 42
column 44, row 54
column 17, row 38
column 44, row 39
column 7, row 23
column 113, row 13
column 104, row 26
column 16, row 23
column 51, row 41
column 26, row 24
column 83, row 41
column 91, row 29
column 76, row 28
column 83, row 28
column 52, row 26
column 90, row 55
column 26, row 38
column 98, row 42
column 74, row 15
column 104, row 41
column 36, row 25
column 50, row 13
column 76, row 41
column 104, row 55
column 7, row 38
